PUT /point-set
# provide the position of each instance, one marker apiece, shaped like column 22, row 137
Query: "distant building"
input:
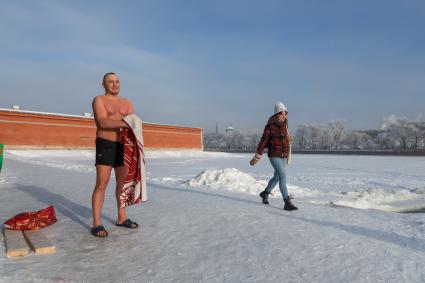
column 33, row 129
column 230, row 129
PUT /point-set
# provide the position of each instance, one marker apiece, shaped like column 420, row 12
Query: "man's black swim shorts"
column 109, row 153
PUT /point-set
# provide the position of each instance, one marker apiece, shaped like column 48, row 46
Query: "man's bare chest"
column 116, row 108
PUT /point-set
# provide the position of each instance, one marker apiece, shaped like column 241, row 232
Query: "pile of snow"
column 396, row 200
column 233, row 179
column 229, row 178
column 302, row 192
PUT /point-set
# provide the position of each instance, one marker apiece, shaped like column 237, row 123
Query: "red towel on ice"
column 32, row 220
column 134, row 189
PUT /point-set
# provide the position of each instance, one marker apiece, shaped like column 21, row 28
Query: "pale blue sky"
column 200, row 62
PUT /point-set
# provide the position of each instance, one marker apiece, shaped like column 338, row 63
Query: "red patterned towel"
column 32, row 220
column 134, row 189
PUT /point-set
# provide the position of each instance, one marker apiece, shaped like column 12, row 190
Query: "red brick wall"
column 20, row 129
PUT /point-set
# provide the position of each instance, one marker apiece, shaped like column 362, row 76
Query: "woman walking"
column 277, row 139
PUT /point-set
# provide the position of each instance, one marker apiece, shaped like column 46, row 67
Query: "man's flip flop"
column 128, row 224
column 96, row 231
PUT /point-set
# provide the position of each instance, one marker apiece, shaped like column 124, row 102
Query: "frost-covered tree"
column 370, row 140
column 214, row 141
column 336, row 130
column 400, row 132
column 300, row 137
column 353, row 140
column 395, row 133
column 233, row 141
column 318, row 136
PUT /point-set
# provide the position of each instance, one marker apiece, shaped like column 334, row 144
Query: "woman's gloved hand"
column 255, row 159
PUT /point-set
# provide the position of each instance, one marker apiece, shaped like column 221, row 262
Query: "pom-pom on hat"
column 279, row 107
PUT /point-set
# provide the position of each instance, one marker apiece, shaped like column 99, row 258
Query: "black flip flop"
column 128, row 224
column 96, row 232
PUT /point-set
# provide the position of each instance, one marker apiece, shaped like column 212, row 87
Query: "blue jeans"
column 279, row 165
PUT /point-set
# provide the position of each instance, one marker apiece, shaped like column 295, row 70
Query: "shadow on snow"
column 74, row 211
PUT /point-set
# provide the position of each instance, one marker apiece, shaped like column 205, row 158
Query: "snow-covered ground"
column 204, row 222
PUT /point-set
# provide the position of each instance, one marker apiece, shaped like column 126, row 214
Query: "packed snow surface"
column 204, row 222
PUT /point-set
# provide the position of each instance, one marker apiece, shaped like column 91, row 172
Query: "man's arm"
column 130, row 108
column 101, row 117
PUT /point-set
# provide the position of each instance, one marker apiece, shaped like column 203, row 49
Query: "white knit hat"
column 279, row 107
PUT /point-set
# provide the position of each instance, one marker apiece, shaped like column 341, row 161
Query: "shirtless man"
column 109, row 109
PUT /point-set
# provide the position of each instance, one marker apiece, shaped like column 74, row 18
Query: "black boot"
column 265, row 195
column 289, row 205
